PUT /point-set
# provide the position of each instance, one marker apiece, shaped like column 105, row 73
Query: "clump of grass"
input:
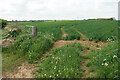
column 90, row 39
column 97, row 46
column 72, row 37
column 87, row 48
column 88, row 64
column 84, row 39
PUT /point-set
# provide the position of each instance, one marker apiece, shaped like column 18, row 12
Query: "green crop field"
column 71, row 56
column 99, row 30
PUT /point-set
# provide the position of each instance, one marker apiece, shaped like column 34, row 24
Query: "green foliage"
column 4, row 22
column 88, row 64
column 72, row 37
column 97, row 45
column 64, row 63
column 72, row 34
column 87, row 48
column 31, row 47
column 105, row 61
column 12, row 33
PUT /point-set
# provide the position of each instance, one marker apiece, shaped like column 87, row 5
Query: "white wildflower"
column 106, row 64
column 57, row 74
column 58, row 70
column 104, row 60
column 102, row 63
column 114, row 56
column 45, row 74
column 67, row 68
column 50, row 76
column 55, row 67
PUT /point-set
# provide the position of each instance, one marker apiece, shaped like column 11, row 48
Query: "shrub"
column 13, row 30
column 4, row 23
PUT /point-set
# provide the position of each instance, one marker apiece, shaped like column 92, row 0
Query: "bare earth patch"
column 64, row 33
column 6, row 42
column 24, row 71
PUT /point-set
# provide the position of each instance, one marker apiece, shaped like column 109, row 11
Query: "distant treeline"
column 103, row 19
column 56, row 20
column 30, row 20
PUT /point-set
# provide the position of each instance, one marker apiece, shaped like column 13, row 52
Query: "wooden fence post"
column 34, row 31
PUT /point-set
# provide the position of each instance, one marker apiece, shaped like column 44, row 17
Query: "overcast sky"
column 57, row 9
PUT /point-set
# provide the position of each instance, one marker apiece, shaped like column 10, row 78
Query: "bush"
column 12, row 31
column 4, row 22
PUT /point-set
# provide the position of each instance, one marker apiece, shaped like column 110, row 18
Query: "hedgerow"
column 32, row 48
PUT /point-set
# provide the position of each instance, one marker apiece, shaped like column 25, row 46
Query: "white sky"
column 57, row 9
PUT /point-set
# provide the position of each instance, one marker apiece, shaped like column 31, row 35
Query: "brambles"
column 12, row 31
